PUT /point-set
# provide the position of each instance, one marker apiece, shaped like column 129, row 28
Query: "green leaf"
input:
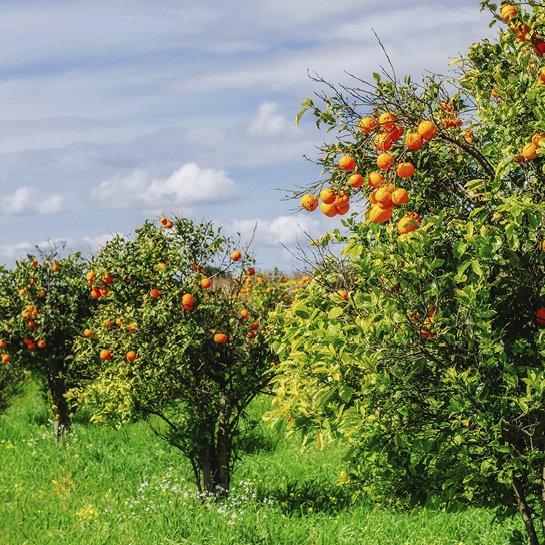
column 476, row 268
column 299, row 115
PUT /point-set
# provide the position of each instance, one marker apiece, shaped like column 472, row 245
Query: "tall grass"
column 129, row 487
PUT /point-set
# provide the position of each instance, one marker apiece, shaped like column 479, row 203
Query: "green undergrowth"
column 129, row 487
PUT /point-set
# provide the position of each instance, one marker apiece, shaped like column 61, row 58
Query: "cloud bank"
column 188, row 185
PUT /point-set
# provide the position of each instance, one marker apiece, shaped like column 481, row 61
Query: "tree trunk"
column 61, row 412
column 222, row 477
column 525, row 511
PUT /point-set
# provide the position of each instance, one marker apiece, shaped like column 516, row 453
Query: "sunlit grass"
column 127, row 486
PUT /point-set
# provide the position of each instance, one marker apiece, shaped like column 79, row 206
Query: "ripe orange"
column 427, row 325
column 406, row 223
column 373, row 197
column 250, row 334
column 387, row 120
column 87, row 332
column 187, row 301
column 343, row 294
column 164, row 221
column 427, row 130
column 385, row 161
column 41, row 344
column 537, row 138
column 405, row 170
column 255, row 325
column 31, row 323
column 541, row 79
column 244, row 314
column 327, row 196
column 367, row 125
column 529, row 151
column 95, row 293
column 342, row 210
column 104, row 291
column 22, row 292
column 521, row 31
column 236, row 255
column 396, row 133
column 399, row 196
column 34, row 262
column 328, row 209
column 356, row 180
column 132, row 326
column 251, row 272
column 131, row 355
column 41, row 293
column 154, row 293
column 342, row 199
column 414, row 141
column 347, row 162
column 169, row 225
column 26, row 340
column 379, row 215
column 309, row 203
column 107, row 323
column 31, row 346
column 375, row 179
column 5, row 358
column 206, row 283
column 55, row 267
column 2, row 344
column 220, row 338
column 107, row 279
column 382, row 142
column 507, row 12
column 383, row 195
column 539, row 48
column 468, row 136
column 540, row 316
column 105, row 355
column 32, row 282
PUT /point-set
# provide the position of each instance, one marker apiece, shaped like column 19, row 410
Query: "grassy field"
column 129, row 487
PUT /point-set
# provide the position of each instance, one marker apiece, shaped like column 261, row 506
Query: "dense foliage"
column 423, row 345
column 178, row 340
column 44, row 306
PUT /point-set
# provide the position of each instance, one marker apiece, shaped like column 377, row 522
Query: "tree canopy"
column 422, row 346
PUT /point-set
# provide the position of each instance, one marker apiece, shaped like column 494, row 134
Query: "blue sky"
column 114, row 111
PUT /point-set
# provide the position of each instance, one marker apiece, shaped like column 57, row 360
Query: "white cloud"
column 267, row 123
column 26, row 201
column 287, row 230
column 95, row 243
column 188, row 185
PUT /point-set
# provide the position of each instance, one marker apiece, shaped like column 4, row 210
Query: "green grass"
column 129, row 487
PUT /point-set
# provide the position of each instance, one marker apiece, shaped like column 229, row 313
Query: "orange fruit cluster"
column 523, row 32
column 529, row 151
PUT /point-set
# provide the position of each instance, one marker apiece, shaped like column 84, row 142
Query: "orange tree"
column 176, row 341
column 45, row 303
column 12, row 377
column 423, row 345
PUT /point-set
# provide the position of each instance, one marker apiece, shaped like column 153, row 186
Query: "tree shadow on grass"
column 298, row 498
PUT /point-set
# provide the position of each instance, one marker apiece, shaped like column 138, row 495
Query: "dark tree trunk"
column 222, row 477
column 525, row 511
column 61, row 411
